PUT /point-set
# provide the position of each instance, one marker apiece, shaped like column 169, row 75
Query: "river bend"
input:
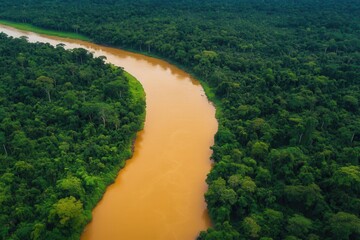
column 159, row 195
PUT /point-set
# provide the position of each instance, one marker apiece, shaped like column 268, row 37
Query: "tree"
column 23, row 169
column 105, row 112
column 348, row 177
column 263, row 176
column 282, row 162
column 259, row 150
column 3, row 142
column 344, row 225
column 351, row 102
column 67, row 213
column 299, row 226
column 38, row 231
column 71, row 186
column 248, row 185
column 116, row 89
column 21, row 144
column 46, row 83
column 251, row 227
column 76, row 27
column 272, row 223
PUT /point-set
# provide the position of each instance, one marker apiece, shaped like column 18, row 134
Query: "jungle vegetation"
column 286, row 81
column 67, row 123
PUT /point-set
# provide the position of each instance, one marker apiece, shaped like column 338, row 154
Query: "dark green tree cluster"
column 286, row 79
column 67, row 122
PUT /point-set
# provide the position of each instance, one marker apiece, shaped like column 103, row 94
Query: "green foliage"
column 285, row 78
column 45, row 83
column 348, row 177
column 71, row 186
column 259, row 150
column 344, row 225
column 271, row 223
column 29, row 27
column 251, row 228
column 299, row 226
column 63, row 137
column 67, row 213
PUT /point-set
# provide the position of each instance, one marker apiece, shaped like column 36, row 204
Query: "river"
column 159, row 195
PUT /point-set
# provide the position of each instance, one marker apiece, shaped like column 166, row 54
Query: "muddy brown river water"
column 159, row 195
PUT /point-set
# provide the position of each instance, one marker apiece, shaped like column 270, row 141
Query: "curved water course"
column 159, row 195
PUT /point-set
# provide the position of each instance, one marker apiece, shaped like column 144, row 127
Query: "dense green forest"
column 67, row 123
column 286, row 79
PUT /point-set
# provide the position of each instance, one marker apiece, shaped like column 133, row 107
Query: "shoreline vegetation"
column 73, row 138
column 286, row 76
column 137, row 89
column 29, row 27
column 138, row 93
column 135, row 86
column 35, row 29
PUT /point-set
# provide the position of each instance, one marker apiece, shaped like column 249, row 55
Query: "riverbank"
column 171, row 156
column 138, row 97
column 208, row 91
column 210, row 94
column 110, row 145
column 135, row 86
column 35, row 29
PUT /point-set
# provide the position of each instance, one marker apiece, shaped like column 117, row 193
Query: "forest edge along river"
column 160, row 192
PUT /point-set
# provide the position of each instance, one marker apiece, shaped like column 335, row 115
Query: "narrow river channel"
column 159, row 195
